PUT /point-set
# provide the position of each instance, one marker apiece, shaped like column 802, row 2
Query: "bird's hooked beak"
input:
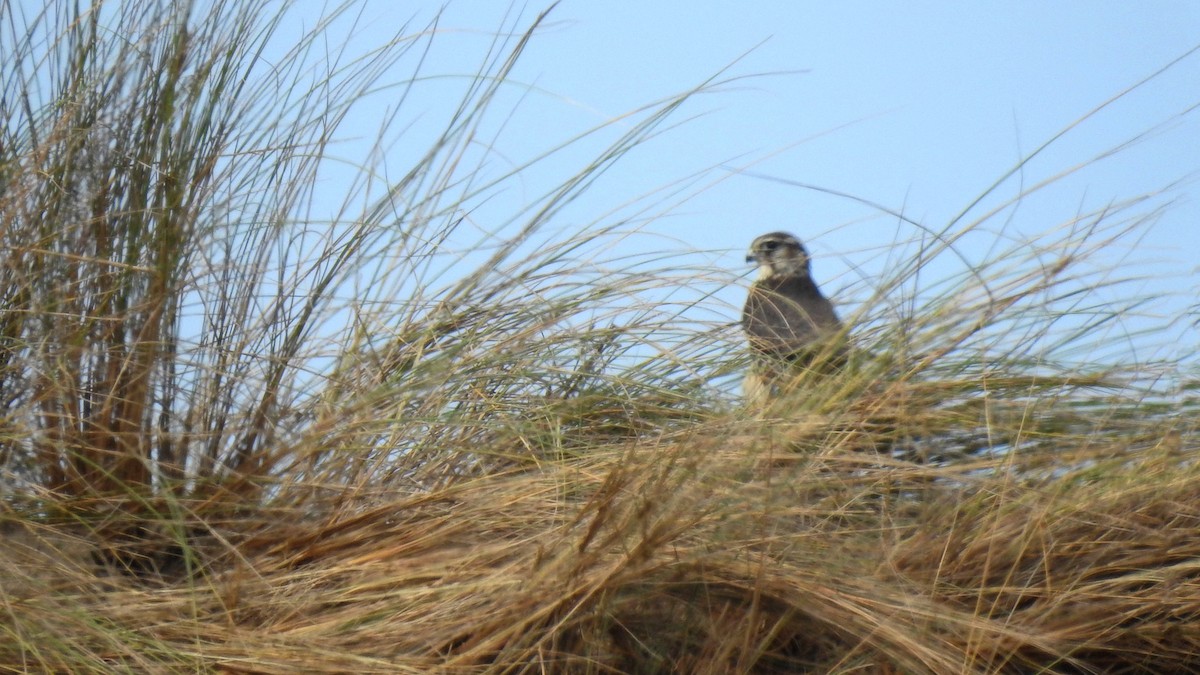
column 764, row 268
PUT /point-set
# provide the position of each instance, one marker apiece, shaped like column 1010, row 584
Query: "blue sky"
column 918, row 107
column 866, row 128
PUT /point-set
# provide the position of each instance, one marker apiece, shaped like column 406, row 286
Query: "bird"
column 787, row 321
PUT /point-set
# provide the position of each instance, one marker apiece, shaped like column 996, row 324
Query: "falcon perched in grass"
column 786, row 319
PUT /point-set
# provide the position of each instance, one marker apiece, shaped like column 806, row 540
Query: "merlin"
column 786, row 319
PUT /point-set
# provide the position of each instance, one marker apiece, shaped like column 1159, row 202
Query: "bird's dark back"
column 786, row 315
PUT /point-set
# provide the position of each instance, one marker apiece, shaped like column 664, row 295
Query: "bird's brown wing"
column 785, row 318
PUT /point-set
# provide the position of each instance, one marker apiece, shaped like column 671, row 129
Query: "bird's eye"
column 770, row 245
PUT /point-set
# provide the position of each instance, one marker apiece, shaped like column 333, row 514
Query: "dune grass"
column 239, row 437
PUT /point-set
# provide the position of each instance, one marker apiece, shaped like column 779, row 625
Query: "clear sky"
column 916, row 106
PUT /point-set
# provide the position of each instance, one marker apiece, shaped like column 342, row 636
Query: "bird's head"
column 778, row 254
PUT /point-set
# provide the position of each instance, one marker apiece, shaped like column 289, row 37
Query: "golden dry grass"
column 236, row 440
column 733, row 546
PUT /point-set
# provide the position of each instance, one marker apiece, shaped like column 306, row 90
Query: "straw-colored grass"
column 238, row 438
column 716, row 549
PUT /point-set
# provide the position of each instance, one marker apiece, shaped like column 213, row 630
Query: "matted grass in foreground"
column 725, row 547
column 237, row 438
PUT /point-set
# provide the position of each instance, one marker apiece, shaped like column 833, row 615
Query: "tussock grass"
column 239, row 437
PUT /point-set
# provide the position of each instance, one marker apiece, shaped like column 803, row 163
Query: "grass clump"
column 239, row 435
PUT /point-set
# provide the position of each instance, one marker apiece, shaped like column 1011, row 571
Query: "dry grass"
column 715, row 549
column 238, row 439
